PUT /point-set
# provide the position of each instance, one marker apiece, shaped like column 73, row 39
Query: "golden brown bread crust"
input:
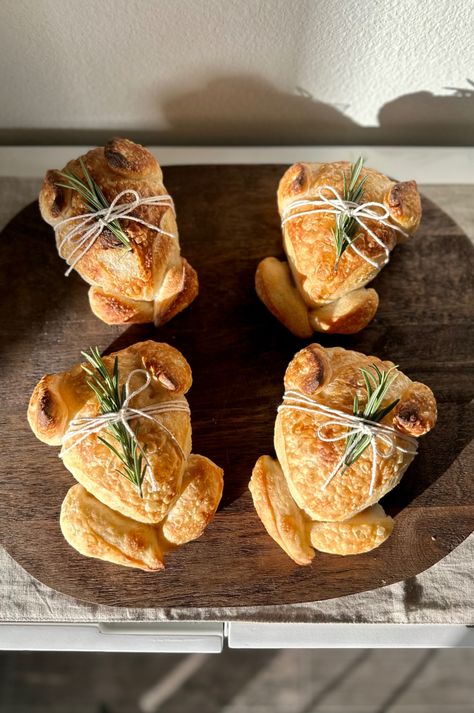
column 95, row 530
column 179, row 288
column 177, row 291
column 347, row 315
column 116, row 309
column 201, row 492
column 275, row 287
column 47, row 411
column 328, row 296
column 187, row 488
column 403, row 202
column 361, row 533
column 309, row 370
column 415, row 414
column 126, row 286
column 94, row 465
column 282, row 518
column 54, row 402
column 126, row 158
column 307, row 460
column 294, row 531
column 332, row 377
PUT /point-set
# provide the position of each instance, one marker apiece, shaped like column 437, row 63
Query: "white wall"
column 237, row 71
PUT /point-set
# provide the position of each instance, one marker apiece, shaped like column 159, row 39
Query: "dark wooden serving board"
column 238, row 352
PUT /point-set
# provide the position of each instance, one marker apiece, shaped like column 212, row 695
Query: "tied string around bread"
column 83, row 427
column 360, row 212
column 383, row 440
column 87, row 227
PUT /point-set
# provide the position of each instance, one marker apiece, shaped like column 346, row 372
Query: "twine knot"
column 84, row 234
column 355, row 427
column 84, row 426
column 360, row 212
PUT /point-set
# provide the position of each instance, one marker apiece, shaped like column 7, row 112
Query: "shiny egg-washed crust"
column 333, row 301
column 201, row 491
column 91, row 462
column 283, row 519
column 94, row 530
column 361, row 533
column 152, row 282
column 187, row 490
column 294, row 531
column 332, row 377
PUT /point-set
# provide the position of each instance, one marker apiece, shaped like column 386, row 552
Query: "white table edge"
column 162, row 637
column 432, row 165
column 252, row 635
column 210, row 637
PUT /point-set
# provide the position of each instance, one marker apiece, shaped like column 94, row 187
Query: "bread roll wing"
column 94, row 530
column 200, row 495
column 361, row 533
column 282, row 518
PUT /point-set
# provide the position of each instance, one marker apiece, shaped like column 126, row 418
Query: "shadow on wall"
column 218, row 114
column 238, row 110
column 424, row 118
column 249, row 110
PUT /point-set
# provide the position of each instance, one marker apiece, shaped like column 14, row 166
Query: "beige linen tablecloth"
column 441, row 595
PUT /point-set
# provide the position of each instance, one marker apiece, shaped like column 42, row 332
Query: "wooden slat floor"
column 286, row 681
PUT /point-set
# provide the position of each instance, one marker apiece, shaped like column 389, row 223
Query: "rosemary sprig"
column 93, row 197
column 111, row 396
column 377, row 385
column 344, row 228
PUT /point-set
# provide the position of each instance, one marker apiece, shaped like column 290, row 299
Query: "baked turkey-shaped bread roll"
column 345, row 434
column 132, row 263
column 142, row 489
column 339, row 223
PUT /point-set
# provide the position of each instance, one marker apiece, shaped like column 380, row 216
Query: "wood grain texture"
column 238, row 352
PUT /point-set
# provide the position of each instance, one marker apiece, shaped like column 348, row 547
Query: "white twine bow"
column 94, row 223
column 360, row 212
column 84, row 426
column 377, row 433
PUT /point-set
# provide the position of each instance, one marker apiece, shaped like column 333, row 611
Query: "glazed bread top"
column 332, row 377
column 120, row 165
column 309, row 239
column 59, row 398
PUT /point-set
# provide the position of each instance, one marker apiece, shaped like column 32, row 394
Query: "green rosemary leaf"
column 379, row 374
column 355, row 408
column 356, row 169
column 93, row 197
column 368, row 385
column 87, row 175
column 362, row 443
column 381, row 413
column 343, row 231
column 106, row 387
column 377, row 384
column 116, row 372
column 114, row 450
column 97, row 388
